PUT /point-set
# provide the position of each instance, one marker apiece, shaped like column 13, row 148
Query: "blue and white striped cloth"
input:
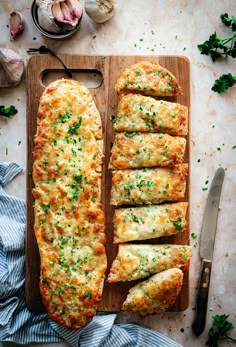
column 17, row 323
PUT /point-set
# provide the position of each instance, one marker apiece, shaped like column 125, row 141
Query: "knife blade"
column 208, row 234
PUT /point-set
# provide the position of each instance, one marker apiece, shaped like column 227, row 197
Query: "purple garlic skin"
column 11, row 68
column 16, row 24
column 68, row 11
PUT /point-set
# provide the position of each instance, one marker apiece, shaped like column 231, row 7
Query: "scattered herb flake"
column 7, row 111
column 194, row 236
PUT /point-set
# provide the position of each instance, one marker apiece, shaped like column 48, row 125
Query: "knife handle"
column 199, row 321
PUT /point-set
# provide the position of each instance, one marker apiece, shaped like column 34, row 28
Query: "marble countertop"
column 170, row 27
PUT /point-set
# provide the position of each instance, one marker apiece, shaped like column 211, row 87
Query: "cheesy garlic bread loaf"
column 69, row 220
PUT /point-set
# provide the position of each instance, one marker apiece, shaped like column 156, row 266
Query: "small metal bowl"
column 51, row 35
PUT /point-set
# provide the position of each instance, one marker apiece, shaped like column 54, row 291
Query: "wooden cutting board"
column 105, row 97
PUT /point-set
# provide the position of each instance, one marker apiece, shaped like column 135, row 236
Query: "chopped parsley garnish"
column 178, row 225
column 73, row 129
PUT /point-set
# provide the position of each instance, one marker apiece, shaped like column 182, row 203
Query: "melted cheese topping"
column 156, row 294
column 148, row 186
column 132, row 150
column 150, row 78
column 142, row 113
column 138, row 261
column 69, row 221
column 147, row 222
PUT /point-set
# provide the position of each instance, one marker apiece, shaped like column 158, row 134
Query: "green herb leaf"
column 73, row 129
column 223, row 83
column 229, row 21
column 219, row 330
column 218, row 48
column 7, row 111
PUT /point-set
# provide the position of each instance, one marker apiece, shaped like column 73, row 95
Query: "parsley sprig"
column 223, row 83
column 218, row 48
column 7, row 111
column 219, row 330
column 229, row 21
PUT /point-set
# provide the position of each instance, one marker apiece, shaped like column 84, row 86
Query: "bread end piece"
column 155, row 295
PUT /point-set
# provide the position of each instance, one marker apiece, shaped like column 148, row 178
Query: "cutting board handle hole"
column 91, row 79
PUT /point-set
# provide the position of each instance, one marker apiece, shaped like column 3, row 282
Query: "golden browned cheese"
column 148, row 222
column 135, row 261
column 143, row 113
column 136, row 150
column 149, row 186
column 156, row 294
column 149, row 78
column 69, row 221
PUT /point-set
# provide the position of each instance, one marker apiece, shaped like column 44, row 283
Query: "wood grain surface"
column 106, row 99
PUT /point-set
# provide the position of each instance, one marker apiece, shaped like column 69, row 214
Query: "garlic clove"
column 67, row 11
column 46, row 20
column 16, row 24
column 57, row 12
column 11, row 68
column 100, row 11
column 75, row 7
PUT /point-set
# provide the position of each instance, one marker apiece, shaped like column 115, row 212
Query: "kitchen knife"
column 206, row 249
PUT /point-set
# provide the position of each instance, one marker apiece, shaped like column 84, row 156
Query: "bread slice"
column 148, row 222
column 148, row 78
column 155, row 295
column 135, row 261
column 137, row 112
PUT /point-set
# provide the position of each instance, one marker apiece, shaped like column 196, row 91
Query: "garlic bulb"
column 16, row 24
column 100, row 10
column 59, row 15
column 11, row 68
column 45, row 17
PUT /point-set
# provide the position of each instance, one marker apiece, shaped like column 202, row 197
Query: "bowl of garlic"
column 57, row 19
